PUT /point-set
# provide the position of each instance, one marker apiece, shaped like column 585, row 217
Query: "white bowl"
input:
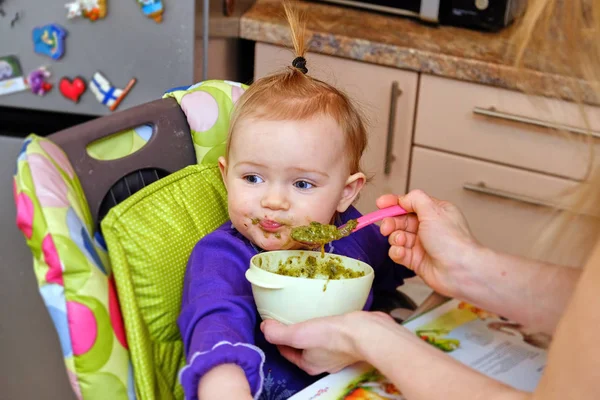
column 291, row 300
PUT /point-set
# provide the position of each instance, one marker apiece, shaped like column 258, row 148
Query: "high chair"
column 111, row 210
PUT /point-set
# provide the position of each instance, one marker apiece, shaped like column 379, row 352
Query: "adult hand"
column 324, row 344
column 434, row 240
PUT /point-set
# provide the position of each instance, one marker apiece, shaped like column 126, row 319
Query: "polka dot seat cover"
column 71, row 262
column 209, row 129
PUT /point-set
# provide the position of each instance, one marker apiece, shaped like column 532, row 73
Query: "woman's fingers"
column 401, row 255
column 298, row 358
column 387, row 200
column 409, row 223
column 419, row 202
column 291, row 354
column 387, row 226
column 280, row 334
column 381, row 315
column 403, row 239
column 303, row 335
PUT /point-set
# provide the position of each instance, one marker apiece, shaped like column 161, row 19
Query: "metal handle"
column 493, row 113
column 205, row 33
column 482, row 188
column 389, row 157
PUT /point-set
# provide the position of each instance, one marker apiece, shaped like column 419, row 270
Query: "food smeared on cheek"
column 277, row 235
column 255, row 221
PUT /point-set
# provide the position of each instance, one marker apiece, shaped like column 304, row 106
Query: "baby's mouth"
column 270, row 225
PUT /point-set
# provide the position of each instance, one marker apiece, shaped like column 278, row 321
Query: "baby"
column 293, row 157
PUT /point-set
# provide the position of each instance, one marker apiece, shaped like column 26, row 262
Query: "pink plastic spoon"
column 378, row 215
column 317, row 234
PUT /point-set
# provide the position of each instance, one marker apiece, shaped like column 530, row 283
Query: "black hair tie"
column 300, row 63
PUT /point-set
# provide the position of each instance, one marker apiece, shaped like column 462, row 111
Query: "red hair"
column 291, row 94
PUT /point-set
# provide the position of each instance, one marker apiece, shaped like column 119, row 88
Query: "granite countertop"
column 402, row 42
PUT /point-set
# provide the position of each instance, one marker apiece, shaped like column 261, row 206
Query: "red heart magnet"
column 72, row 90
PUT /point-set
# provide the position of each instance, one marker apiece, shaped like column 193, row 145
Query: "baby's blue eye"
column 303, row 185
column 254, row 179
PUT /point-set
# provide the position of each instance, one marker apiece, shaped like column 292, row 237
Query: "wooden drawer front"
column 497, row 221
column 370, row 87
column 447, row 120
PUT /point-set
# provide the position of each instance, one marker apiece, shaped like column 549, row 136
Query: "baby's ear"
column 354, row 185
column 223, row 169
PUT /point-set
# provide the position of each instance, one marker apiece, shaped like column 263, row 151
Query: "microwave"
column 490, row 15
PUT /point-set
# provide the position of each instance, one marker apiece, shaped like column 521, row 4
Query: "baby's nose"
column 275, row 199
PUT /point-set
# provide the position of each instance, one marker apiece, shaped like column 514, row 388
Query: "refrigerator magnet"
column 90, row 9
column 49, row 40
column 106, row 93
column 11, row 75
column 37, row 80
column 72, row 89
column 152, row 9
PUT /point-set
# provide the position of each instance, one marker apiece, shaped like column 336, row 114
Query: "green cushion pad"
column 150, row 237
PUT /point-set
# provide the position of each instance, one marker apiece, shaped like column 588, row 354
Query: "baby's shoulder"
column 222, row 247
column 224, row 239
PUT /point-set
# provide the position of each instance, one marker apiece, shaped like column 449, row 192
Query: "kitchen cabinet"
column 505, row 126
column 507, row 208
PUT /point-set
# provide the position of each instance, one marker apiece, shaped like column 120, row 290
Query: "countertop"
column 402, row 42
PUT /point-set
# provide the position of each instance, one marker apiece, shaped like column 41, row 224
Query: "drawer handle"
column 389, row 157
column 482, row 188
column 493, row 113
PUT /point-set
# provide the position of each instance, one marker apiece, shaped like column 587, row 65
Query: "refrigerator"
column 146, row 46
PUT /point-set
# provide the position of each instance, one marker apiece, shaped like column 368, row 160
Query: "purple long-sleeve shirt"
column 219, row 322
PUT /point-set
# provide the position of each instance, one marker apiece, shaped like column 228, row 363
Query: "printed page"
column 358, row 382
column 501, row 349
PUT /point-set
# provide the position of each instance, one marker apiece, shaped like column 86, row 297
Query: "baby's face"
column 282, row 174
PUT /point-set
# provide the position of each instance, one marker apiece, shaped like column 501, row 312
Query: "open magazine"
column 498, row 348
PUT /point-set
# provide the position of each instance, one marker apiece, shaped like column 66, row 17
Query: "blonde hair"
column 561, row 36
column 292, row 94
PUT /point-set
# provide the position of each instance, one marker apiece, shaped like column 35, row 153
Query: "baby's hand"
column 224, row 382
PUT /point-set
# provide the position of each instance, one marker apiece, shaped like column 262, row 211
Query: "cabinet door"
column 506, row 208
column 505, row 126
column 389, row 123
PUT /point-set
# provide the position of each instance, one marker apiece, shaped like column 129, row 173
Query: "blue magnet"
column 49, row 40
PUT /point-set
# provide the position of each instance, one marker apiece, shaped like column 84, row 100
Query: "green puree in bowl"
column 330, row 268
